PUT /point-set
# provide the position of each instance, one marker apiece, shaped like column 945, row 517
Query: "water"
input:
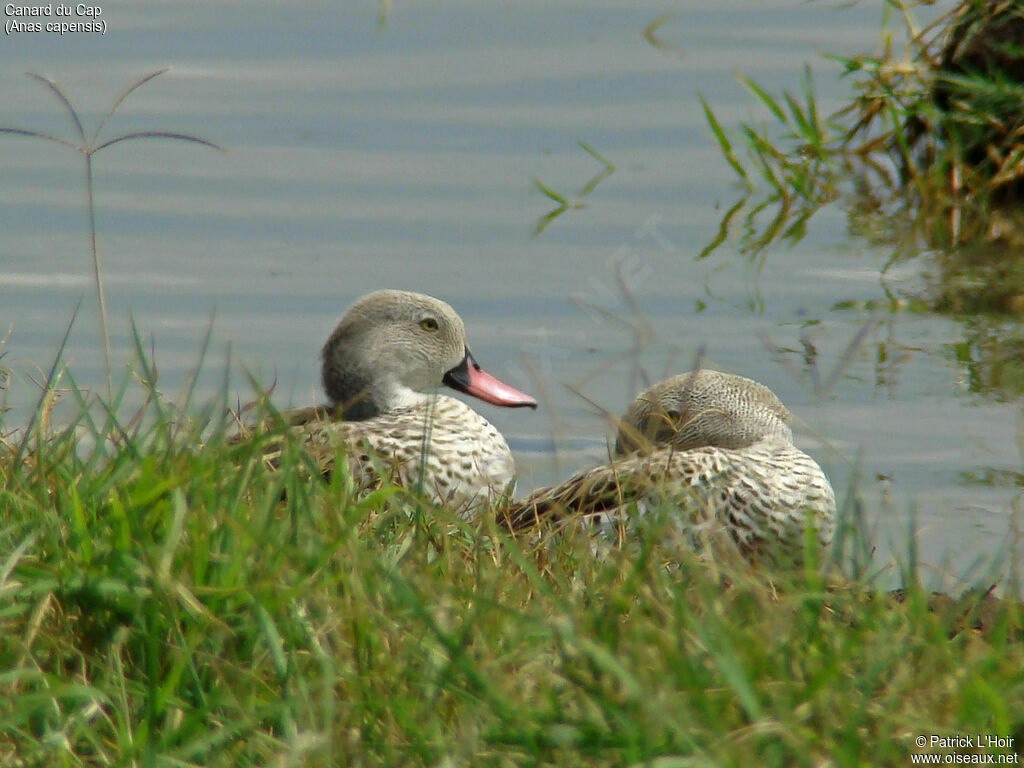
column 361, row 156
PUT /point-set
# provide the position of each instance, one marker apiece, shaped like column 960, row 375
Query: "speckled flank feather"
column 465, row 463
column 759, row 491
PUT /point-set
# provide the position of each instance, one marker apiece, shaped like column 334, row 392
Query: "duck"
column 379, row 365
column 713, row 450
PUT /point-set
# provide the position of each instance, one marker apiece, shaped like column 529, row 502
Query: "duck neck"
column 356, row 397
column 351, row 394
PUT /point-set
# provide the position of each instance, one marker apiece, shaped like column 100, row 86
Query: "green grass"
column 167, row 600
column 564, row 203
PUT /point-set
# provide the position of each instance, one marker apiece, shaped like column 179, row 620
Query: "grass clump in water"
column 933, row 133
column 170, row 600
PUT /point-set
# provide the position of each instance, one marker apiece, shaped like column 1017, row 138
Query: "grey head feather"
column 703, row 408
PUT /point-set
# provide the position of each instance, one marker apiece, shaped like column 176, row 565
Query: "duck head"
column 703, row 408
column 391, row 345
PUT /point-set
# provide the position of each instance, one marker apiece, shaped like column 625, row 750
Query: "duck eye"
column 428, row 324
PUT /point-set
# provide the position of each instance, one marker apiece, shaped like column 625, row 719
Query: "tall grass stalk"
column 88, row 146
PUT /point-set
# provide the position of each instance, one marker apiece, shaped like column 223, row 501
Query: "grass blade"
column 55, row 89
column 723, row 142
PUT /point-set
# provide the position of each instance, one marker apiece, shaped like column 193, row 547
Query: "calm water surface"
column 362, row 156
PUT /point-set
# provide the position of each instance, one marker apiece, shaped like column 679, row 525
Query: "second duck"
column 716, row 452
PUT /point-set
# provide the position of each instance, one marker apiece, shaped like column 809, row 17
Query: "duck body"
column 440, row 446
column 387, row 349
column 715, row 452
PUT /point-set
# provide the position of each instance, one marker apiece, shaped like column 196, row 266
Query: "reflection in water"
column 992, row 354
column 925, row 153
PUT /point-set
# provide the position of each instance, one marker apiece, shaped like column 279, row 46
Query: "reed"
column 931, row 132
